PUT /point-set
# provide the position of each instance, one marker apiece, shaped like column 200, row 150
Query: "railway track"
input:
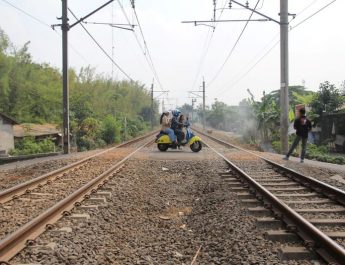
column 30, row 208
column 289, row 206
column 309, row 208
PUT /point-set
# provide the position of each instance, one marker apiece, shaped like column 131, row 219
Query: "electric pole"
column 152, row 102
column 284, row 58
column 284, row 75
column 65, row 27
column 203, row 105
column 65, row 89
column 151, row 116
column 203, row 101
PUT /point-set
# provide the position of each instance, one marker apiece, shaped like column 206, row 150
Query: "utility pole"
column 65, row 27
column 151, row 116
column 203, row 105
column 203, row 101
column 284, row 58
column 65, row 89
column 284, row 75
column 152, row 101
column 193, row 101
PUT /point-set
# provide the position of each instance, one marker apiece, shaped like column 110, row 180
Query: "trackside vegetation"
column 102, row 110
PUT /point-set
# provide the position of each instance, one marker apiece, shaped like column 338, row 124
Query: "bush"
column 321, row 153
column 28, row 146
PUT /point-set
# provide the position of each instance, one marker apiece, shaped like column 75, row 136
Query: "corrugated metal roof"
column 30, row 129
column 8, row 118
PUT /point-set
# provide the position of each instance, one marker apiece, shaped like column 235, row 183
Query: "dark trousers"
column 295, row 143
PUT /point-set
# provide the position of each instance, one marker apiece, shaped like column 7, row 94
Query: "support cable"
column 46, row 25
column 234, row 47
column 205, row 51
column 275, row 44
column 147, row 49
column 103, row 50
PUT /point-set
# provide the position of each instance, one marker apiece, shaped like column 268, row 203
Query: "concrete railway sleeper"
column 26, row 187
column 16, row 241
column 302, row 203
column 26, row 206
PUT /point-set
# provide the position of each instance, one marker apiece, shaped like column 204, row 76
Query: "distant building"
column 38, row 131
column 6, row 134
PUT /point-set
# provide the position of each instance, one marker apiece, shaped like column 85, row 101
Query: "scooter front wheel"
column 162, row 147
column 196, row 146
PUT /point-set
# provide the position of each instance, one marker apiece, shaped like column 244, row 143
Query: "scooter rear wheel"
column 196, row 146
column 162, row 147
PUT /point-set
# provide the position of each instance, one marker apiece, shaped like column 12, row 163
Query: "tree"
column 110, row 130
column 328, row 100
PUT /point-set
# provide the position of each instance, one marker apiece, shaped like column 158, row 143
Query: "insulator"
column 247, row 4
column 230, row 4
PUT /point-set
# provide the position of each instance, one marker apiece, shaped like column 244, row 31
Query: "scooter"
column 163, row 141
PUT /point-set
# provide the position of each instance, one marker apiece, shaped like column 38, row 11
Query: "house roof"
column 8, row 118
column 30, row 129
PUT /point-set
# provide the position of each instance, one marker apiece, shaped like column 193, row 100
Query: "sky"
column 184, row 54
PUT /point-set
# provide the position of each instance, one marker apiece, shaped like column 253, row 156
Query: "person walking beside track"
column 302, row 126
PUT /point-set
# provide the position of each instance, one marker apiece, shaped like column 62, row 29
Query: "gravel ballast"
column 161, row 212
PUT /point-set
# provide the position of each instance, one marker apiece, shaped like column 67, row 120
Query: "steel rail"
column 16, row 241
column 327, row 248
column 319, row 186
column 11, row 193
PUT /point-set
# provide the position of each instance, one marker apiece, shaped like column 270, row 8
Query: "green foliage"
column 327, row 100
column 321, row 153
column 110, row 130
column 28, row 146
column 32, row 93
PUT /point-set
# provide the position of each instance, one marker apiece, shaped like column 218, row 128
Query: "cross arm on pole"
column 194, row 93
column 256, row 12
column 197, row 22
column 90, row 14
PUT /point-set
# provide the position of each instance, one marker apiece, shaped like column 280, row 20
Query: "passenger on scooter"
column 165, row 126
column 180, row 134
column 186, row 124
column 175, row 123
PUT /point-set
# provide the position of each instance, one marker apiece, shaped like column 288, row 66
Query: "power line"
column 46, row 25
column 313, row 14
column 147, row 49
column 205, row 51
column 103, row 50
column 143, row 49
column 26, row 13
column 275, row 44
column 233, row 48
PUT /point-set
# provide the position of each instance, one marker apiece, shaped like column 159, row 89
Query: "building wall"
column 6, row 136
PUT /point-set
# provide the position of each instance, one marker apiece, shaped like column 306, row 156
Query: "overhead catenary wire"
column 147, row 49
column 103, row 50
column 143, row 49
column 233, row 48
column 275, row 44
column 46, row 25
column 208, row 43
column 309, row 17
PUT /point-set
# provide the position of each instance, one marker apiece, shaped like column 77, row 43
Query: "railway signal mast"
column 284, row 58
